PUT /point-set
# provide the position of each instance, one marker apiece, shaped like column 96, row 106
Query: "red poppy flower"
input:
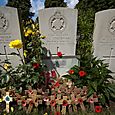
column 24, row 103
column 57, row 113
column 82, row 73
column 91, row 100
column 98, row 109
column 53, row 103
column 31, row 102
column 53, row 73
column 80, row 100
column 59, row 54
column 71, row 71
column 65, row 103
column 35, row 65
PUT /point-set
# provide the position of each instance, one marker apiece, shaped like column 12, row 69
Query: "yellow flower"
column 26, row 34
column 12, row 109
column 0, row 100
column 33, row 26
column 45, row 113
column 15, row 44
column 33, row 33
column 6, row 66
column 29, row 31
column 42, row 37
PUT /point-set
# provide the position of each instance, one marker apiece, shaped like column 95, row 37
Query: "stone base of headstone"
column 62, row 65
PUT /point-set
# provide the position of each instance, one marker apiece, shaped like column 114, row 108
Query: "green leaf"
column 90, row 91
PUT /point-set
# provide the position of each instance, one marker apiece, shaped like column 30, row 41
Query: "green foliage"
column 22, row 77
column 54, row 3
column 32, row 40
column 96, row 76
column 29, row 73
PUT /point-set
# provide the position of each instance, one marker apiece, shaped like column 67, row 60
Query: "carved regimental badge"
column 57, row 22
column 3, row 23
column 112, row 26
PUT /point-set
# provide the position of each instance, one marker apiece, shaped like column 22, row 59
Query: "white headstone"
column 104, row 37
column 9, row 30
column 59, row 25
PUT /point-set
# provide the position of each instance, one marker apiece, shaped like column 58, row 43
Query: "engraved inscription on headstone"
column 9, row 30
column 104, row 37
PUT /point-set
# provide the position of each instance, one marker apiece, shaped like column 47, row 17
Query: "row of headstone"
column 60, row 26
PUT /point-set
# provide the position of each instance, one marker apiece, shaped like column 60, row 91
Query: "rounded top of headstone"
column 61, row 8
column 105, row 11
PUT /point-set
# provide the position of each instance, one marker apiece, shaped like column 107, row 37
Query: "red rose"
column 80, row 100
column 35, row 65
column 82, row 73
column 98, row 109
column 71, row 71
column 53, row 73
column 59, row 54
column 65, row 103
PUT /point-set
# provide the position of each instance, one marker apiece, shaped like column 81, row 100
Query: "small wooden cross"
column 92, row 99
column 7, row 99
